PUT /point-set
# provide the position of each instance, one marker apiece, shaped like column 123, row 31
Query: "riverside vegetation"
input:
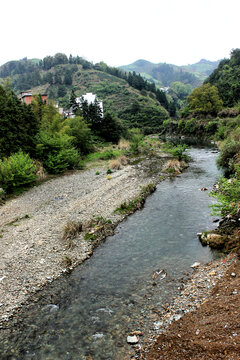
column 213, row 112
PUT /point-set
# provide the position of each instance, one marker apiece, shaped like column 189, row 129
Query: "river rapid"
column 89, row 313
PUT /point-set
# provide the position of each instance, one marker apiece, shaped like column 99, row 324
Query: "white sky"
column 119, row 32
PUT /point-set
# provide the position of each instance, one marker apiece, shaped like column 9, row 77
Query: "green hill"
column 58, row 76
column 202, row 69
column 164, row 74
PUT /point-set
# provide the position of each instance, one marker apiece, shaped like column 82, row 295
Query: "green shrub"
column 211, row 127
column 228, row 151
column 220, row 134
column 56, row 152
column 81, row 133
column 191, row 126
column 58, row 162
column 136, row 141
column 177, row 151
column 17, row 171
column 181, row 125
column 228, row 195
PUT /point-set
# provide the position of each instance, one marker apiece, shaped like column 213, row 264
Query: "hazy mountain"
column 164, row 74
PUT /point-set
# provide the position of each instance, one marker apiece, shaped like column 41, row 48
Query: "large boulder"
column 215, row 241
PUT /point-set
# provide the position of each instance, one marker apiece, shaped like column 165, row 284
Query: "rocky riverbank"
column 32, row 225
column 202, row 322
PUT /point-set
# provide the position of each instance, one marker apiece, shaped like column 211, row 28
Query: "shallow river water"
column 88, row 313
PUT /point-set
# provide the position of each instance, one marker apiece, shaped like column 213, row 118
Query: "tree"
column 48, row 62
column 60, row 58
column 49, row 78
column 111, row 128
column 61, row 91
column 91, row 113
column 18, row 125
column 80, row 133
column 205, row 100
column 73, row 104
column 67, row 78
column 181, row 90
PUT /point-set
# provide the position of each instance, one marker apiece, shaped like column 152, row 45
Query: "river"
column 89, row 313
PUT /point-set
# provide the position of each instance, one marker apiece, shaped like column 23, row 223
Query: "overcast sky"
column 119, row 32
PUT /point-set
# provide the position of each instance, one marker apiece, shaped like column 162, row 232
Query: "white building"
column 90, row 98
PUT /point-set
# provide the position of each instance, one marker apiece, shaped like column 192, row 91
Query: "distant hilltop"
column 164, row 74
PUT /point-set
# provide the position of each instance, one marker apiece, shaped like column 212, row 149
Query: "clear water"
column 111, row 294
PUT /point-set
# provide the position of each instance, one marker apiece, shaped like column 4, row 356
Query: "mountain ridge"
column 155, row 71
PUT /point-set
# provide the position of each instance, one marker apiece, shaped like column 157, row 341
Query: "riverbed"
column 89, row 313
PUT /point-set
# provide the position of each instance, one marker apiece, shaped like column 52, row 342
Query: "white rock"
column 98, row 336
column 195, row 265
column 132, row 339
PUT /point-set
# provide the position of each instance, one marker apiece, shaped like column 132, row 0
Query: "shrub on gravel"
column 17, row 171
column 57, row 153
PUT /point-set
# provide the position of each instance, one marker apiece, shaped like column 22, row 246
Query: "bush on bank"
column 17, row 171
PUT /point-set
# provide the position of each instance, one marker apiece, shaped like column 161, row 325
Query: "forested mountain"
column 164, row 74
column 201, row 69
column 135, row 101
column 227, row 79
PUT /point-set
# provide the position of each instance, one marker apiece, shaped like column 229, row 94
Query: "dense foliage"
column 228, row 195
column 204, row 101
column 227, row 79
column 18, row 124
column 16, row 171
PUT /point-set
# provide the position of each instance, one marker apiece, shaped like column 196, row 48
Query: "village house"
column 90, row 98
column 27, row 97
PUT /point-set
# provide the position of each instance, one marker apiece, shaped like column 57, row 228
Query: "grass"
column 124, row 144
column 90, row 237
column 70, row 232
column 13, row 222
column 67, row 262
column 115, row 164
column 97, row 228
column 128, row 207
column 174, row 166
column 107, row 154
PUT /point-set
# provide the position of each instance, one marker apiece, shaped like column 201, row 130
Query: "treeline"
column 30, row 76
column 27, row 66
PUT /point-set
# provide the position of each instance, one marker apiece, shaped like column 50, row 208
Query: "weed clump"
column 115, row 164
column 70, row 232
column 123, row 160
column 98, row 228
column 174, row 166
column 124, row 144
column 129, row 207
